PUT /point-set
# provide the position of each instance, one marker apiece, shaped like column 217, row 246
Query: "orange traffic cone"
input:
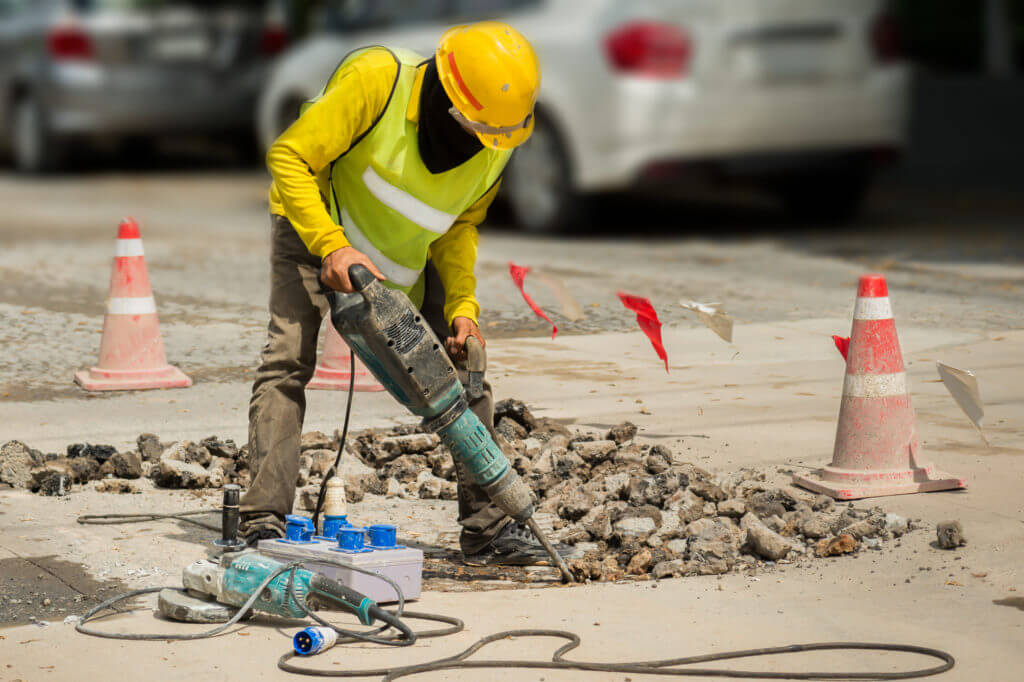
column 332, row 371
column 131, row 351
column 876, row 451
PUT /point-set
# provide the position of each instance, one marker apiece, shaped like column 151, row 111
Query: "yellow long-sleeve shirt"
column 300, row 159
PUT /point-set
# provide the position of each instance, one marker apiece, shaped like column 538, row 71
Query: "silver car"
column 806, row 99
column 81, row 70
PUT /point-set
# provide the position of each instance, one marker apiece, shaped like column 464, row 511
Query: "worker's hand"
column 334, row 269
column 463, row 327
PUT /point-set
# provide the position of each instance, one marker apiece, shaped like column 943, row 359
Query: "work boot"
column 516, row 545
column 260, row 526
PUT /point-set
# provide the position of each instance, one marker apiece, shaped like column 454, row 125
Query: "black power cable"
column 344, row 434
column 668, row 667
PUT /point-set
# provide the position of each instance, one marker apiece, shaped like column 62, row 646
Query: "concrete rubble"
column 636, row 510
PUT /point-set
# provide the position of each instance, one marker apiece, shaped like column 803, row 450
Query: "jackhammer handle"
column 476, row 354
column 476, row 365
column 360, row 277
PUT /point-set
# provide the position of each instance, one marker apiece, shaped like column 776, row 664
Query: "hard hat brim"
column 509, row 141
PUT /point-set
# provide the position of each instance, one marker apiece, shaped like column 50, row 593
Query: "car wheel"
column 33, row 146
column 835, row 196
column 537, row 186
column 287, row 113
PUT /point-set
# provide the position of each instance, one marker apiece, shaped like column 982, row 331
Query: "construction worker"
column 393, row 166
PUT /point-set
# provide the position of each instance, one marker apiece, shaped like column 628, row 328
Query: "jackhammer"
column 396, row 344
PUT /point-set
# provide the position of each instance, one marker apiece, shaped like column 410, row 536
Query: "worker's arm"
column 454, row 256
column 326, row 130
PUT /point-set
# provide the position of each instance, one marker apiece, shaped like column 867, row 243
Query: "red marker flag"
column 842, row 344
column 519, row 277
column 647, row 318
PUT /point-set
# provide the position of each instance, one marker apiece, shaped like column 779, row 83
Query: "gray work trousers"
column 278, row 403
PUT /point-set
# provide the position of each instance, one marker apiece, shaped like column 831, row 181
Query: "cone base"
column 97, row 379
column 325, row 379
column 913, row 482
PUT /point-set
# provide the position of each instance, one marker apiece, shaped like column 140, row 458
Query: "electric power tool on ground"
column 390, row 336
column 236, row 574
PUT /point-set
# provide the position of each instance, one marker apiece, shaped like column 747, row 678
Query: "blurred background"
column 760, row 153
column 809, row 103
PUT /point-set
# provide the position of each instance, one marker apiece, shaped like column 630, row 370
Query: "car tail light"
column 651, row 49
column 273, row 40
column 886, row 39
column 69, row 42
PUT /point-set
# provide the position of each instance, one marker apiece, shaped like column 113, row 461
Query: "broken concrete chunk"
column 83, row 469
column 668, row 569
column 429, row 486
column 677, row 547
column 532, row 447
column 392, row 488
column 314, row 440
column 125, row 465
column 189, row 452
column 517, row 411
column 409, row 445
column 765, row 542
column 101, row 453
column 628, row 455
column 689, row 507
column 441, row 463
column 708, row 490
column 816, row 526
column 950, row 535
column 598, row 522
column 16, row 462
column 765, row 504
column 896, row 524
column 625, row 431
column 220, row 448
column 173, row 473
column 734, row 507
column 51, row 479
column 406, row 467
column 511, row 429
column 307, row 497
column 320, row 461
column 575, row 504
column 636, row 526
column 823, row 503
column 842, row 544
column 866, row 528
column 150, row 447
column 640, row 563
column 547, row 428
column 114, row 485
column 595, row 451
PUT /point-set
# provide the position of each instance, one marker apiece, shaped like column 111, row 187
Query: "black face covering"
column 444, row 144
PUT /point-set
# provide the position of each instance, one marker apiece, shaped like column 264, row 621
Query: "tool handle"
column 360, row 277
column 345, row 597
column 476, row 364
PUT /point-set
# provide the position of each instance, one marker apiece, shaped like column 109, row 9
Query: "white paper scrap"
column 713, row 317
column 962, row 384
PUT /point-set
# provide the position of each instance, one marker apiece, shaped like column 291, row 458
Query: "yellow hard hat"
column 492, row 76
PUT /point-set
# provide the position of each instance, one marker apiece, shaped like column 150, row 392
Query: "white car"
column 806, row 98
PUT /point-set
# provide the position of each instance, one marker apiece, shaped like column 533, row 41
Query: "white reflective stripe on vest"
column 427, row 217
column 397, row 274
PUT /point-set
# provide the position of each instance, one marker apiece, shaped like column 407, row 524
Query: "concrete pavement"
column 771, row 405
